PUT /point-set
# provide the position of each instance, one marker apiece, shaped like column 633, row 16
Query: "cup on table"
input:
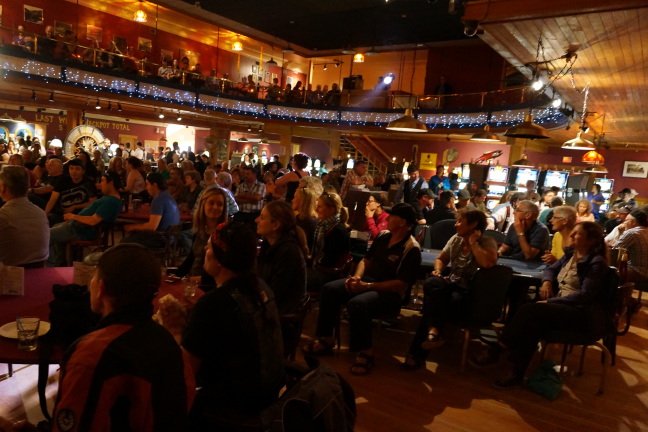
column 189, row 287
column 27, row 333
column 137, row 204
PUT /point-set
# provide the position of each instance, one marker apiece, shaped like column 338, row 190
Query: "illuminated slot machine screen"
column 556, row 179
column 496, row 190
column 465, row 171
column 524, row 175
column 497, row 174
column 606, row 185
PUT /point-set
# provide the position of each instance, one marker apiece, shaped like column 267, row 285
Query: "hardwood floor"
column 439, row 398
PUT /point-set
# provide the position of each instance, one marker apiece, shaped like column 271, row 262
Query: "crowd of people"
column 262, row 237
column 65, row 47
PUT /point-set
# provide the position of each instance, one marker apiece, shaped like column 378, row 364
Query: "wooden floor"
column 441, row 399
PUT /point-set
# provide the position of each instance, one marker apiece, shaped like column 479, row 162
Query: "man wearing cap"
column 617, row 216
column 423, row 205
column 444, row 209
column 622, row 223
column 81, row 226
column 626, row 198
column 408, row 190
column 463, row 199
column 357, row 176
column 376, row 289
column 128, row 374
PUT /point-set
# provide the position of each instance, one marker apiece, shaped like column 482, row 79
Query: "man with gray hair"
column 527, row 239
column 24, row 229
column 223, row 180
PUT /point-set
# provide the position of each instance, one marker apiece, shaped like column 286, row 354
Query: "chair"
column 168, row 252
column 292, row 325
column 615, row 299
column 104, row 239
column 489, row 287
column 422, row 234
column 497, row 235
column 441, row 232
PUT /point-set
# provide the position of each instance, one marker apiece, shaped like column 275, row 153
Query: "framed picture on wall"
column 61, row 27
column 289, row 80
column 33, row 14
column 94, row 33
column 255, row 149
column 194, row 57
column 121, row 43
column 635, row 169
column 255, row 69
column 166, row 55
column 268, row 76
column 260, row 78
column 144, row 44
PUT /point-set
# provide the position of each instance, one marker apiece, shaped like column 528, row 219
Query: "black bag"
column 70, row 318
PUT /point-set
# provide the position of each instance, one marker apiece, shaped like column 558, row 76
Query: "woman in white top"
column 135, row 183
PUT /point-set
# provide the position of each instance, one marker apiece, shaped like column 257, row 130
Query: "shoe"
column 361, row 368
column 412, row 364
column 433, row 341
column 318, row 348
column 512, row 380
column 486, row 358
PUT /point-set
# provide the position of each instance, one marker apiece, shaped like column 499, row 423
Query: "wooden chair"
column 292, row 326
column 105, row 238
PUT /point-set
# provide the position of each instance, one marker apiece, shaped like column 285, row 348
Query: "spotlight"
column 325, row 67
column 179, row 118
column 119, row 108
column 51, row 98
column 388, row 79
column 585, row 128
column 537, row 85
column 260, row 129
column 556, row 103
column 33, row 95
column 98, row 105
column 161, row 115
column 337, row 64
column 249, row 128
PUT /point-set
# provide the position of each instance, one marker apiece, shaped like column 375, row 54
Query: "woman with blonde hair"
column 304, row 203
column 211, row 212
column 563, row 222
column 116, row 165
column 584, row 211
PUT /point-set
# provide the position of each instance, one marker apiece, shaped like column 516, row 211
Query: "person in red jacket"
column 376, row 216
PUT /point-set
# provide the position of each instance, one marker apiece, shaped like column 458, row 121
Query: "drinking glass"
column 27, row 333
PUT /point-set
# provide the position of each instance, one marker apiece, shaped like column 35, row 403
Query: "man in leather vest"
column 410, row 187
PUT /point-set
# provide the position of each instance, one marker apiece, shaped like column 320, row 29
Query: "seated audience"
column 128, row 374
column 164, row 214
column 529, row 239
column 24, row 230
column 584, row 211
column 616, row 217
column 572, row 292
column 634, row 239
column 375, row 214
column 304, row 204
column 563, row 220
column 449, row 297
column 192, row 190
column 502, row 216
column 463, row 199
column 547, row 213
column 80, row 226
column 249, row 196
column 356, row 177
column 72, row 193
column 42, row 192
column 444, row 208
column 479, row 201
column 547, row 196
column 239, row 368
column 376, row 289
column 424, row 206
column 136, row 179
column 281, row 262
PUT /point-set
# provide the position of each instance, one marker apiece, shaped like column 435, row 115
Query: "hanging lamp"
column 580, row 143
column 407, row 123
column 140, row 15
column 485, row 135
column 6, row 117
column 595, row 162
column 527, row 129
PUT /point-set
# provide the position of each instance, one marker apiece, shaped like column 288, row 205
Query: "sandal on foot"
column 434, row 340
column 361, row 368
column 411, row 364
column 318, row 347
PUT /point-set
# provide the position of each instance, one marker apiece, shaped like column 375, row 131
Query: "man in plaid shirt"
column 249, row 196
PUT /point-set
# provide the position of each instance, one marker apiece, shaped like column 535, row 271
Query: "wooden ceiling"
column 612, row 56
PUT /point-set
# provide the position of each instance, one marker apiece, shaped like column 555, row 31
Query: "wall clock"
column 82, row 137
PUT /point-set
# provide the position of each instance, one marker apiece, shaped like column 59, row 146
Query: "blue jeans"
column 60, row 235
column 362, row 308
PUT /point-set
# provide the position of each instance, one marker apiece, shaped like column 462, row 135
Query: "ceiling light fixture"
column 56, row 143
column 522, row 163
column 348, row 51
column 527, row 129
column 358, row 58
column 140, row 15
column 237, row 45
column 407, row 123
column 580, row 143
column 485, row 135
column 109, row 106
column 372, row 52
column 51, row 98
column 98, row 105
column 6, row 117
column 179, row 118
column 119, row 108
column 161, row 115
column 537, row 85
column 19, row 119
column 33, row 95
column 556, row 103
column 325, row 67
column 242, row 139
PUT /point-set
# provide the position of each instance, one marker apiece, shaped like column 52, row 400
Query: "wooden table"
column 143, row 214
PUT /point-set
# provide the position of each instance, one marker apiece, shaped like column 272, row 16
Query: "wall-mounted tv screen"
column 497, row 174
column 556, row 179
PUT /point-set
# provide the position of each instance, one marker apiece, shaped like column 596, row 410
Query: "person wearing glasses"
column 563, row 220
column 527, row 239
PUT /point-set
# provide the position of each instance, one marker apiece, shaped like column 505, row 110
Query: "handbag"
column 545, row 381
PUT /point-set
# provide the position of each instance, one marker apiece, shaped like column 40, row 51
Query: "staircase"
column 361, row 147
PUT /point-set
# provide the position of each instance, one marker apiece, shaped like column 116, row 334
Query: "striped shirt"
column 257, row 188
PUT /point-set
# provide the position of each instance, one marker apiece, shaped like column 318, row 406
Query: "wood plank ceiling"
column 612, row 57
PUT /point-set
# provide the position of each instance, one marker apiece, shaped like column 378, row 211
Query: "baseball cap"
column 425, row 192
column 403, row 211
column 463, row 194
